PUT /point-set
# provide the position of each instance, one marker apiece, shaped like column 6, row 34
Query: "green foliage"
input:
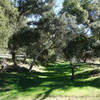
column 28, row 40
column 29, row 7
column 86, row 11
column 8, row 19
column 74, row 8
column 80, row 16
column 52, row 29
column 23, row 39
column 76, row 47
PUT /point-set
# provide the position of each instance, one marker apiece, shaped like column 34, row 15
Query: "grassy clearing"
column 53, row 81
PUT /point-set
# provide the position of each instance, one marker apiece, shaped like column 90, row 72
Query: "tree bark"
column 14, row 58
column 33, row 62
column 72, row 68
column 85, row 60
column 25, row 57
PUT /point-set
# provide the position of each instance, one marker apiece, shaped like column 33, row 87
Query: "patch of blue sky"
column 86, row 30
column 57, row 8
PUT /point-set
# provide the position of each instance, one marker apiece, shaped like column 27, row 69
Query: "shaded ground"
column 54, row 81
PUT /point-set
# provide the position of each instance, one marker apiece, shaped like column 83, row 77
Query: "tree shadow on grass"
column 56, row 77
column 94, row 64
column 88, row 74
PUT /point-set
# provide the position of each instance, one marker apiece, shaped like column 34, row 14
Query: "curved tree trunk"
column 33, row 62
column 47, row 44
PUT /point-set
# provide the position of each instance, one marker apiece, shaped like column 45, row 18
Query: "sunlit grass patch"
column 54, row 81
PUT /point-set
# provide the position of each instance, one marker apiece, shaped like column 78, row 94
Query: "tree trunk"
column 33, row 62
column 14, row 58
column 78, row 60
column 72, row 68
column 85, row 60
column 24, row 60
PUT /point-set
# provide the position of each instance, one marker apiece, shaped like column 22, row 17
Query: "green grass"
column 55, row 81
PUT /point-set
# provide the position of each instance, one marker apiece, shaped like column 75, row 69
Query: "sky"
column 58, row 5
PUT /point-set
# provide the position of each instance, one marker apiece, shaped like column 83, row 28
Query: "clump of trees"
column 50, row 36
column 82, row 16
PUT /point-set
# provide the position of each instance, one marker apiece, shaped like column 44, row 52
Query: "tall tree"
column 51, row 29
column 48, row 25
column 84, row 15
column 27, row 8
column 21, row 41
